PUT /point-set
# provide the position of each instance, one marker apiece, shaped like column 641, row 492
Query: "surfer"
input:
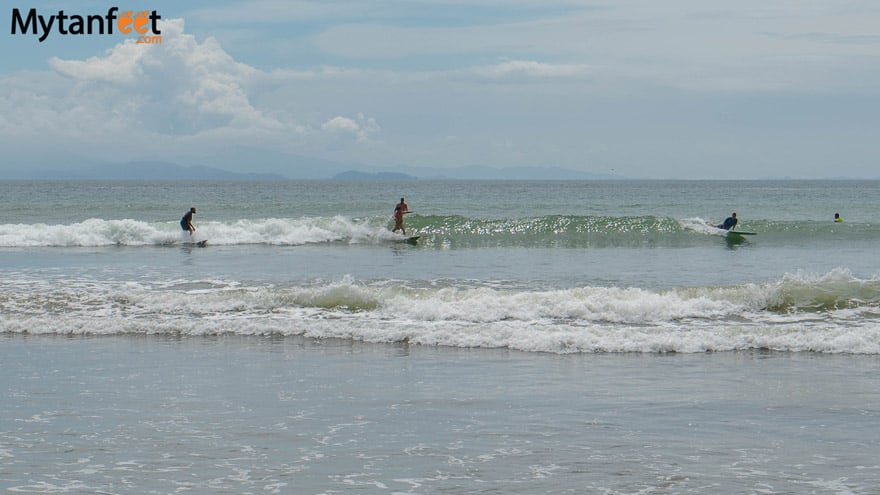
column 729, row 223
column 837, row 218
column 399, row 211
column 186, row 223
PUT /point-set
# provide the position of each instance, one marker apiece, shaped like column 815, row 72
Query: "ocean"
column 540, row 337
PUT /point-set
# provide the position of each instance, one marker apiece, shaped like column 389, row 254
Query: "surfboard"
column 412, row 239
column 201, row 243
column 731, row 232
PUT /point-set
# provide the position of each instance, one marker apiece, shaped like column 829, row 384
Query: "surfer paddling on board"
column 729, row 223
column 399, row 211
column 186, row 223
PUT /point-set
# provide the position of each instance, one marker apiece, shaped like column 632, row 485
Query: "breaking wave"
column 834, row 312
column 442, row 231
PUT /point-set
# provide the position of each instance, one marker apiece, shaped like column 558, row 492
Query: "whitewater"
column 540, row 337
column 835, row 313
column 435, row 231
column 641, row 276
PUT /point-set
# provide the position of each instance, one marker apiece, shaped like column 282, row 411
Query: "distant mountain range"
column 353, row 175
column 145, row 170
column 284, row 167
column 219, row 163
column 478, row 172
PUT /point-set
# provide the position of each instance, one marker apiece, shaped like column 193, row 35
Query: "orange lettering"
column 140, row 21
column 124, row 22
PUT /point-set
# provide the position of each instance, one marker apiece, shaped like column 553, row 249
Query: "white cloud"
column 361, row 127
column 531, row 69
column 174, row 101
column 578, row 84
column 180, row 86
column 340, row 124
column 678, row 44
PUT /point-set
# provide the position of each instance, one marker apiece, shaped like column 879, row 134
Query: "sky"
column 637, row 88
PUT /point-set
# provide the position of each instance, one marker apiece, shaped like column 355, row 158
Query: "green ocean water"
column 541, row 337
column 541, row 266
column 769, row 201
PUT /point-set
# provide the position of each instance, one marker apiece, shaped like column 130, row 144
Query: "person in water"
column 186, row 223
column 729, row 223
column 399, row 211
column 837, row 218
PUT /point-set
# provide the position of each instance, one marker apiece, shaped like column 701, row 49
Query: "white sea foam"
column 834, row 312
column 700, row 226
column 273, row 231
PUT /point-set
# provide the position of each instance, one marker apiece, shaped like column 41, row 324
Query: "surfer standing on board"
column 729, row 223
column 186, row 223
column 399, row 211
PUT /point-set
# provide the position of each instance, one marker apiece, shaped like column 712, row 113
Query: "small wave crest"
column 568, row 231
column 448, row 230
column 573, row 231
column 91, row 232
column 127, row 232
column 838, row 289
column 834, row 312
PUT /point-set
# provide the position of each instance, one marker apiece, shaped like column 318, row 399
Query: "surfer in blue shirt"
column 186, row 223
column 729, row 222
